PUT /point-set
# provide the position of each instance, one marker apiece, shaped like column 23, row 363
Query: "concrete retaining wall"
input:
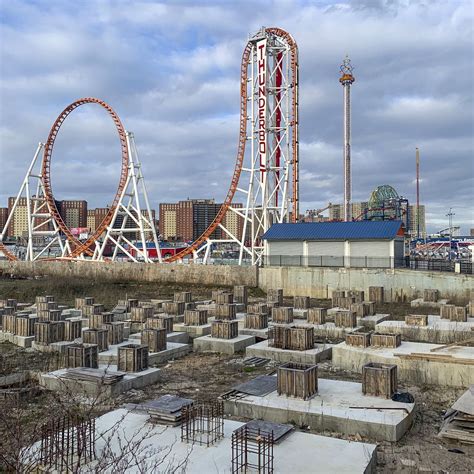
column 399, row 284
column 124, row 271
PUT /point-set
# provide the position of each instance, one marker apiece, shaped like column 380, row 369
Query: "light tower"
column 346, row 80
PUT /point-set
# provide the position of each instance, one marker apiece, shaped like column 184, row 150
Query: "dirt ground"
column 204, row 377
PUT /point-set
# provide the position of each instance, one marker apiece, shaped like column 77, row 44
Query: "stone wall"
column 227, row 275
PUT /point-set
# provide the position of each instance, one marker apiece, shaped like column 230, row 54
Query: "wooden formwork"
column 175, row 308
column 317, row 315
column 79, row 303
column 115, row 332
column 386, row 340
column 446, row 311
column 72, row 329
column 155, row 339
column 90, row 309
column 297, row 380
column 49, row 315
column 195, row 317
column 275, row 295
column 182, row 296
column 358, row 295
column 140, row 314
column 166, row 322
column 289, row 337
column 44, row 299
column 379, row 380
column 459, row 314
column 8, row 310
column 224, row 329
column 9, row 323
column 338, row 294
column 301, row 302
column 241, row 294
column 257, row 308
column 431, row 295
column 376, row 294
column 282, row 314
column 46, row 305
column 345, row 319
column 343, row 302
column 132, row 358
column 96, row 321
column 224, row 297
column 363, row 309
column 226, row 311
column 96, row 336
column 83, row 355
column 25, row 326
column 256, row 321
column 358, row 339
column 416, row 320
column 12, row 302
column 47, row 332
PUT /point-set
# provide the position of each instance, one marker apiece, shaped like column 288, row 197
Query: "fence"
column 367, row 262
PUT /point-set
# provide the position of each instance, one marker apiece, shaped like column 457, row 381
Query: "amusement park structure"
column 347, row 80
column 265, row 173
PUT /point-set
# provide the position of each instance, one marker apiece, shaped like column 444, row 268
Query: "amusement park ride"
column 265, row 173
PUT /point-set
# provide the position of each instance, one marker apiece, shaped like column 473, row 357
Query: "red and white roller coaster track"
column 281, row 131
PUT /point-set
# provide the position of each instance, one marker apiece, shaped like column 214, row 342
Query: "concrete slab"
column 338, row 406
column 417, row 362
column 193, row 331
column 226, row 346
column 312, row 356
column 372, row 320
column 173, row 351
column 329, row 331
column 258, row 333
column 178, row 337
column 438, row 331
column 421, row 303
column 57, row 382
column 300, row 313
column 60, row 347
column 20, row 341
column 296, row 453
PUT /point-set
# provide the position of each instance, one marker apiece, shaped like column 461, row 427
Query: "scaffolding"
column 203, row 424
column 252, row 451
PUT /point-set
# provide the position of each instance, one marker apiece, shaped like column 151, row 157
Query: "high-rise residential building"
column 100, row 213
column 336, row 211
column 91, row 220
column 413, row 216
column 19, row 224
column 3, row 217
column 73, row 212
column 187, row 220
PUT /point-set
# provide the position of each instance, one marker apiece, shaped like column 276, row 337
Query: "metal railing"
column 367, row 262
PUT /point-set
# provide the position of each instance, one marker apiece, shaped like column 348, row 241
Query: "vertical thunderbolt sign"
column 262, row 102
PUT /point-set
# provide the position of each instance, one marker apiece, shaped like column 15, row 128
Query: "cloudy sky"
column 171, row 71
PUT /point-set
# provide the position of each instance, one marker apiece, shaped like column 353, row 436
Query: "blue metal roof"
column 364, row 230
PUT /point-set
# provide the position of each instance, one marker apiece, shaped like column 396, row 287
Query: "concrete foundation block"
column 226, row 346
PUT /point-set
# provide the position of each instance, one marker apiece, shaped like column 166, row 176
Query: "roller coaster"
column 265, row 176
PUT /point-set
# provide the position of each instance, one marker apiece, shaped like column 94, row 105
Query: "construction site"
column 318, row 347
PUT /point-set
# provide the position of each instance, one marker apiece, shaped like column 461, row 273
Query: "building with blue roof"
column 363, row 244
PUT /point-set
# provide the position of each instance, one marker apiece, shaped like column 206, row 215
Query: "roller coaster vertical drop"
column 265, row 176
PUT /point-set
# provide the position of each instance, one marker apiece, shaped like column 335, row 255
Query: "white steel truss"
column 132, row 225
column 266, row 178
column 42, row 238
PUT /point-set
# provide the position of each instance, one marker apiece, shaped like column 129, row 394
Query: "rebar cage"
column 67, row 443
column 203, row 424
column 252, row 451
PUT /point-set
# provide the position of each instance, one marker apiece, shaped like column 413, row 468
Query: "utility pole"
column 346, row 80
column 417, row 193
